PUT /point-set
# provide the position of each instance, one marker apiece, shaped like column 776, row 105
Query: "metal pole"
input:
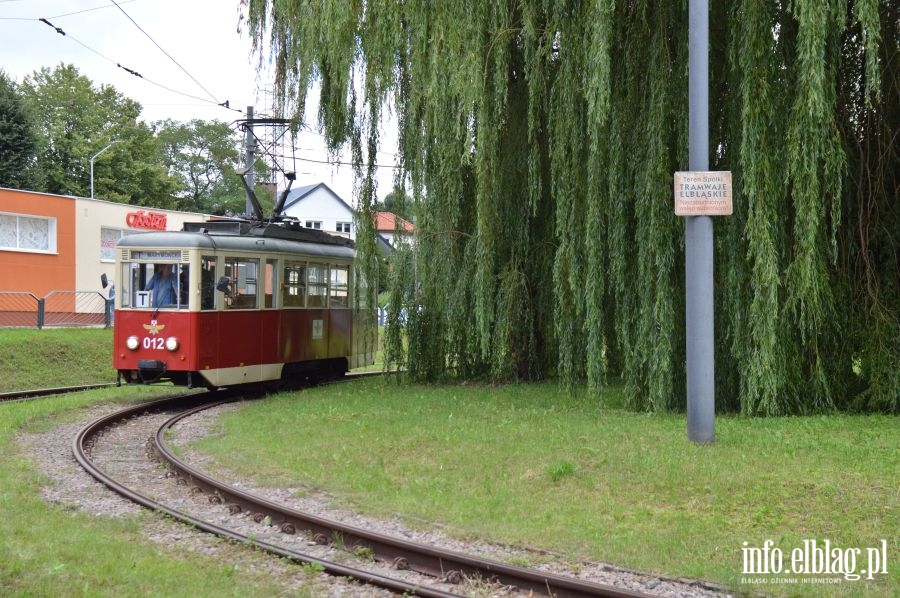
column 92, row 163
column 698, row 241
column 250, row 158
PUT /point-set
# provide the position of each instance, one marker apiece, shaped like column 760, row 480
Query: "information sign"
column 703, row 193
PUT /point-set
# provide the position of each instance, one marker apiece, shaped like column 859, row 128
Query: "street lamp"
column 92, row 163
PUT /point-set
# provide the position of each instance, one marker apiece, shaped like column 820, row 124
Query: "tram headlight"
column 172, row 343
column 132, row 342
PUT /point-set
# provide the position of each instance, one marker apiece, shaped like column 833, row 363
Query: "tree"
column 540, row 138
column 18, row 140
column 75, row 121
column 397, row 202
column 204, row 156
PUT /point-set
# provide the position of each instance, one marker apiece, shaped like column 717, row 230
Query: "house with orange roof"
column 394, row 230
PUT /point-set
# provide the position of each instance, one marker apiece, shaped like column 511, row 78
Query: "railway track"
column 36, row 393
column 19, row 395
column 395, row 564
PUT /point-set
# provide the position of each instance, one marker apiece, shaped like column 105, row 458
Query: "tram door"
column 208, row 327
column 240, row 329
column 270, row 316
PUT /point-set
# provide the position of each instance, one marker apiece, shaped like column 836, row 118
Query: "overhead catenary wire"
column 307, row 128
column 78, row 12
column 59, row 16
column 117, row 45
column 134, row 72
column 166, row 53
column 336, row 162
column 111, row 56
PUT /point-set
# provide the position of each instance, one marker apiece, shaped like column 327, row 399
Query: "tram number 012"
column 156, row 342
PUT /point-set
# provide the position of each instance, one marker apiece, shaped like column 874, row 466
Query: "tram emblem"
column 153, row 327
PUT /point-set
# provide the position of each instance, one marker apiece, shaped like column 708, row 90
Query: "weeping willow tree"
column 539, row 139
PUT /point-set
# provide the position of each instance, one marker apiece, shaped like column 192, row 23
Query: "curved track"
column 442, row 566
column 19, row 395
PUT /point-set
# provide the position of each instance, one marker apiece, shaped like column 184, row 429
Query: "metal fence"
column 57, row 308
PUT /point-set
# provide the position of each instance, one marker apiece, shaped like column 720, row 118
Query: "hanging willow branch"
column 539, row 139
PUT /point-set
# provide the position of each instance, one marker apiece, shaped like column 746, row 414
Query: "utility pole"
column 698, row 242
column 92, row 163
column 250, row 158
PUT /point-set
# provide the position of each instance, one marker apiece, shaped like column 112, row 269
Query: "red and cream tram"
column 223, row 303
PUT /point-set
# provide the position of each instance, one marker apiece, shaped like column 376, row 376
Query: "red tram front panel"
column 143, row 337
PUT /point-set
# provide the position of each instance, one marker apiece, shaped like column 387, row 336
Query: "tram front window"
column 155, row 286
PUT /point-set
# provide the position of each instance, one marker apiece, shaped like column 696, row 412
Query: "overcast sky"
column 189, row 53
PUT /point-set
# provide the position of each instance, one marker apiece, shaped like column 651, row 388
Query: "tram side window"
column 127, row 284
column 317, row 288
column 241, row 276
column 155, row 286
column 340, row 286
column 293, row 290
column 269, row 283
column 184, row 278
column 207, row 282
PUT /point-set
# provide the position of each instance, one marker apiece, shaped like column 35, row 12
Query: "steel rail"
column 82, row 445
column 416, row 556
column 18, row 395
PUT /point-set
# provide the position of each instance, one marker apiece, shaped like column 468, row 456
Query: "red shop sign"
column 142, row 219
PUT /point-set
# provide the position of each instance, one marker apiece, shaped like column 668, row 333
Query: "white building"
column 317, row 206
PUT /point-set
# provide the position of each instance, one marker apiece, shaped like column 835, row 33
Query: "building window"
column 108, row 239
column 316, row 224
column 343, row 227
column 27, row 233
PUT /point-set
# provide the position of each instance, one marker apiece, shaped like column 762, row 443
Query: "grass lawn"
column 54, row 357
column 525, row 464
column 529, row 465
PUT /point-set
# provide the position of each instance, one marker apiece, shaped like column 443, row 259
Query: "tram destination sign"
column 703, row 193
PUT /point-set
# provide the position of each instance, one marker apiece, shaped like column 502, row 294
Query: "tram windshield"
column 155, row 286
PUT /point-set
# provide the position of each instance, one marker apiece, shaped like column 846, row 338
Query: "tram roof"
column 241, row 243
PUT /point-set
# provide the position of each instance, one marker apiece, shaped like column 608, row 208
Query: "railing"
column 57, row 308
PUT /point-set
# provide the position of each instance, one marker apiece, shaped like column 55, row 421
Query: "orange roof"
column 388, row 221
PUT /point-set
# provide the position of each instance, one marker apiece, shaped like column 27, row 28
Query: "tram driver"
column 164, row 285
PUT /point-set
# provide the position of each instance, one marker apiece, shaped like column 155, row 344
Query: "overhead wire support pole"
column 250, row 148
column 698, row 242
column 261, row 147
